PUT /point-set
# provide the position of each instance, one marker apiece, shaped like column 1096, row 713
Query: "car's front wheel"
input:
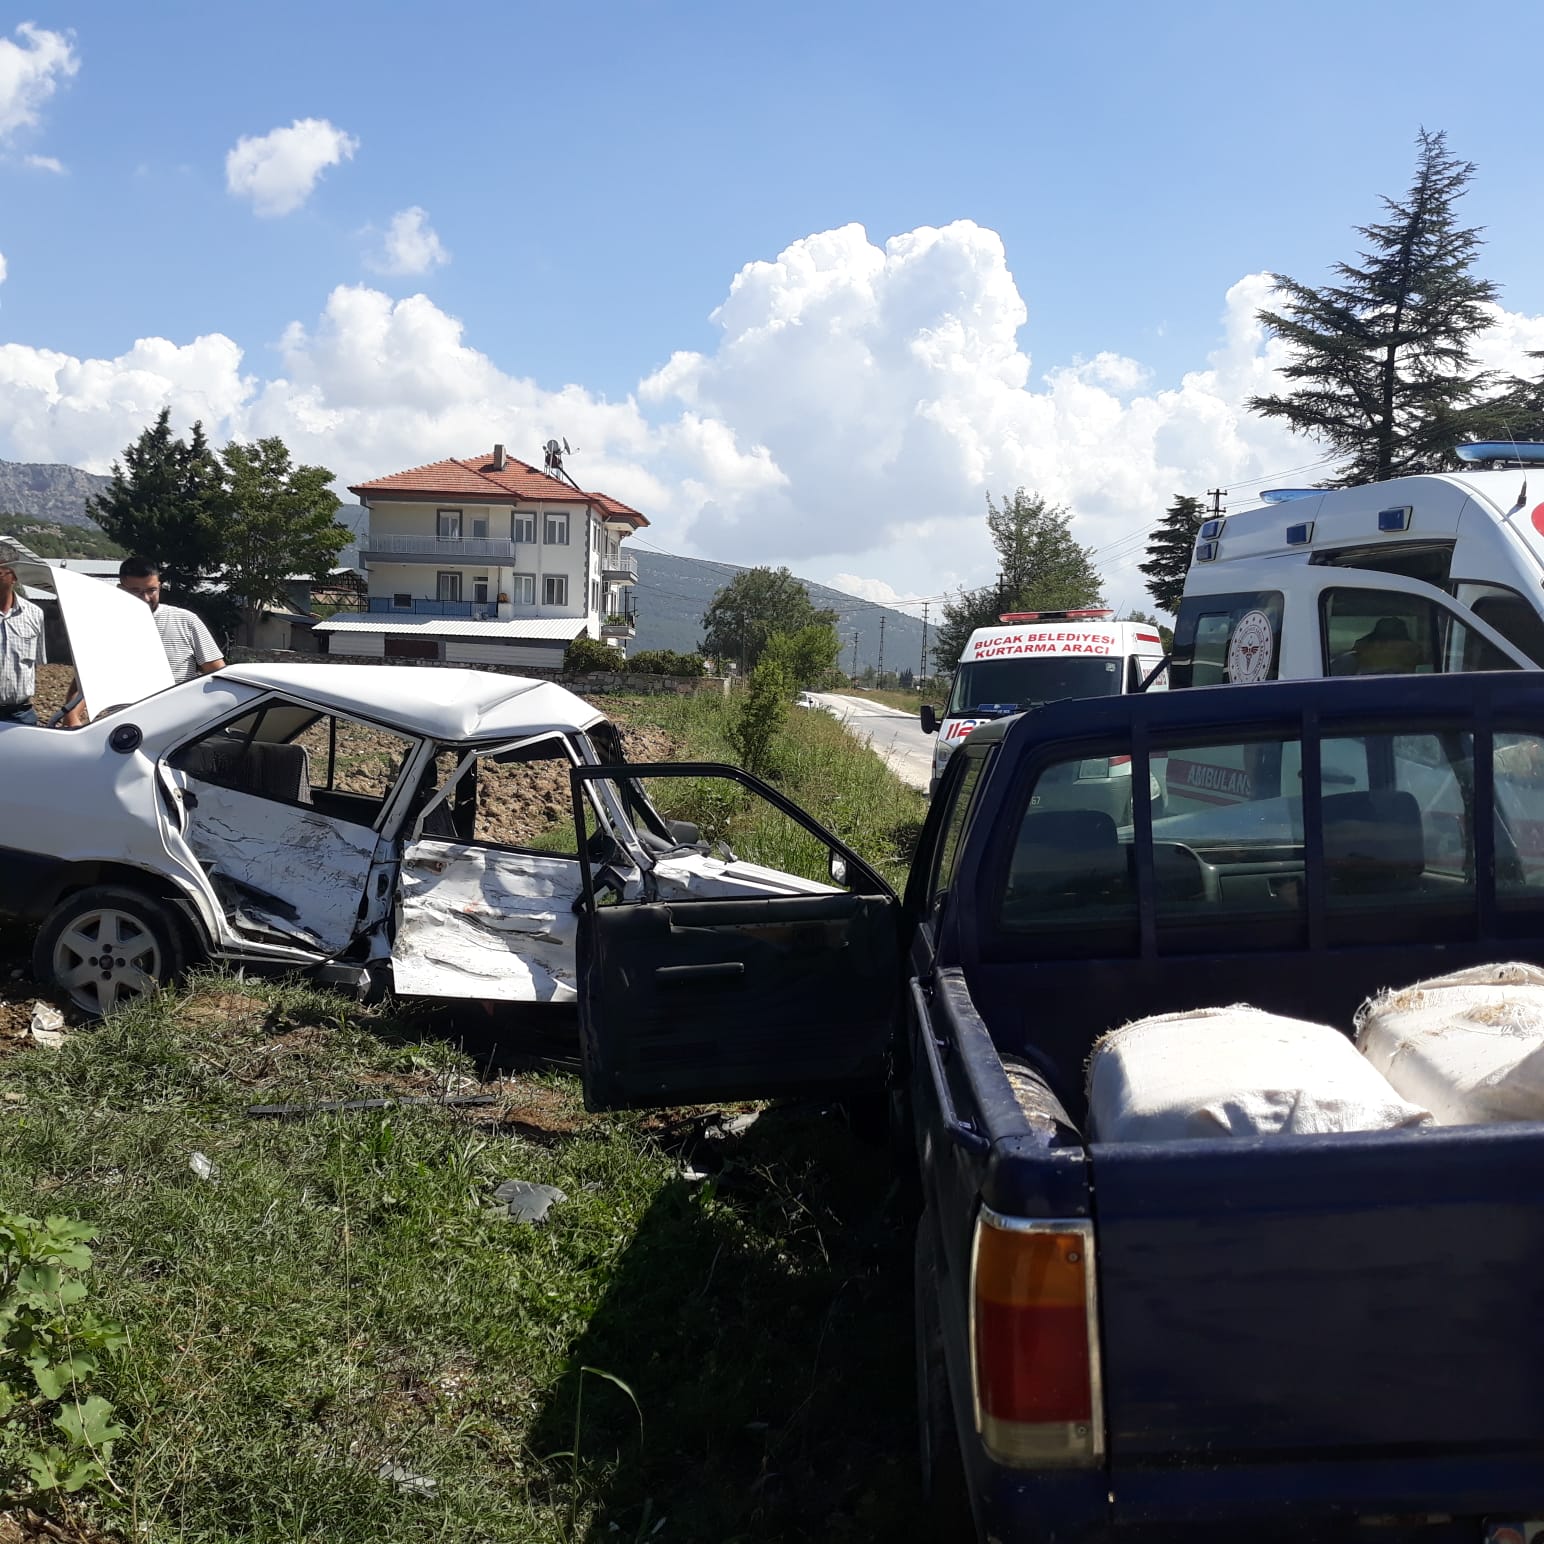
column 106, row 946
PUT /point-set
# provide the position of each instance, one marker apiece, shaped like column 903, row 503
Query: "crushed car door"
column 490, row 876
column 290, row 859
column 776, row 982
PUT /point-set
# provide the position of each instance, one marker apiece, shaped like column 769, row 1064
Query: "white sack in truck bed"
column 1218, row 1072
column 1469, row 1046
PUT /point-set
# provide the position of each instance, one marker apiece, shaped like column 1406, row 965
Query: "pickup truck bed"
column 1295, row 1336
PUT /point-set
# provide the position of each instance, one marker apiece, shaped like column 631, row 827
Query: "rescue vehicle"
column 1036, row 657
column 1421, row 575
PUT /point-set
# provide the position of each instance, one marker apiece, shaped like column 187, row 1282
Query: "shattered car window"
column 518, row 799
column 282, row 751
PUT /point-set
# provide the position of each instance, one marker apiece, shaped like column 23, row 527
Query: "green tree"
column 756, row 603
column 1381, row 356
column 279, row 520
column 1170, row 549
column 164, row 503
column 806, row 657
column 1041, row 567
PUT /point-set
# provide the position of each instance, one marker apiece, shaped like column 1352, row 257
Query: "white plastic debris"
column 524, row 1200
column 203, row 1167
column 1469, row 1046
column 1237, row 1071
column 47, row 1026
column 405, row 1480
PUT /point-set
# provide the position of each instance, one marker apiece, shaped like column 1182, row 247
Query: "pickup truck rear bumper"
column 1378, row 1501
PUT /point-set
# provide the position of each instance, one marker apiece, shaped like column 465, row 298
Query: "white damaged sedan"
column 318, row 817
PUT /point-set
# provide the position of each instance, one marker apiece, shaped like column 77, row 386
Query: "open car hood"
column 117, row 650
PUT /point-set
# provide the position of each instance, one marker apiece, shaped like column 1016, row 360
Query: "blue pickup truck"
column 1326, row 1337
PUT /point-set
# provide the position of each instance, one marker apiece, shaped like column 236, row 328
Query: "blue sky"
column 597, row 175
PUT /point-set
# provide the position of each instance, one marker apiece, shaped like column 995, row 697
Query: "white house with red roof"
column 488, row 560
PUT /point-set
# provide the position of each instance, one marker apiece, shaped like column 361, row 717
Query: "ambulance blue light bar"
column 1283, row 495
column 1300, row 534
column 1211, row 530
column 1524, row 452
column 1394, row 519
column 1206, row 551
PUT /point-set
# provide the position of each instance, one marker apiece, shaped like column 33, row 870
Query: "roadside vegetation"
column 328, row 1326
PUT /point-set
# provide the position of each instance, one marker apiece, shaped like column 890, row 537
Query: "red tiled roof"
column 474, row 477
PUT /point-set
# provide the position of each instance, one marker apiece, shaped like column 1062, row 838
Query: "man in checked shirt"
column 21, row 650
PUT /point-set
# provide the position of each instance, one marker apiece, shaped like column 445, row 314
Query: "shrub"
column 53, row 1435
column 665, row 662
column 758, row 716
column 585, row 654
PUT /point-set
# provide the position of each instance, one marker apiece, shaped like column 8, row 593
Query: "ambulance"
column 1419, row 575
column 1036, row 657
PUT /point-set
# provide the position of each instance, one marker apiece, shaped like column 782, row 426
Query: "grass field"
column 335, row 1333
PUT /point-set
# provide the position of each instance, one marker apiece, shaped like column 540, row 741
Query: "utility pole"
column 922, row 668
column 1216, row 495
column 855, row 653
column 881, row 648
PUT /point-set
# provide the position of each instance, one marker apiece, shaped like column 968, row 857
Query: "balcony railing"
column 408, row 548
column 621, row 569
column 476, row 611
column 619, row 627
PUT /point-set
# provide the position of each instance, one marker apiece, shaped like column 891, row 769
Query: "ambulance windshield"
column 989, row 688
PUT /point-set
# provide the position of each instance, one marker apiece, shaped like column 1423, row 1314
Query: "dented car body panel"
column 310, row 815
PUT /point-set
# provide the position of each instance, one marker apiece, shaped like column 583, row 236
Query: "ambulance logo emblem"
column 1251, row 649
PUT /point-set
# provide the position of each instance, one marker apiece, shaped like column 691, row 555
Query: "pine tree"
column 1040, row 568
column 1170, row 549
column 164, row 504
column 1382, row 356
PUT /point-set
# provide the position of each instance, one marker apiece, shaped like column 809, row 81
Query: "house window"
column 449, row 524
column 554, row 590
column 522, row 589
column 480, row 590
column 595, row 596
column 522, row 528
column 555, row 530
column 402, row 602
column 447, row 586
column 479, row 527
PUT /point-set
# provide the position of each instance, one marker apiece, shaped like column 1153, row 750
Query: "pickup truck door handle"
column 960, row 1131
column 675, row 975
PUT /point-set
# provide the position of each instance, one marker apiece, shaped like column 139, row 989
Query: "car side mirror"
column 838, row 869
column 929, row 718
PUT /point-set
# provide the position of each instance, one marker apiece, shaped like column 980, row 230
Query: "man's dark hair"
column 138, row 568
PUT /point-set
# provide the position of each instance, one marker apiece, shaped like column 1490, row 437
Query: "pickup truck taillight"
column 1035, row 1342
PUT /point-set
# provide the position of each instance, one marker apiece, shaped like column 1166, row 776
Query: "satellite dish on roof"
column 553, row 448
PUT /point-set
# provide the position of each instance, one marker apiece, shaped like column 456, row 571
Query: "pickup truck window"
column 955, row 822
column 1229, row 854
column 1387, row 632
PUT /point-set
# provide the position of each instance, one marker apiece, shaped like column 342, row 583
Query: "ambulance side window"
column 1389, row 632
column 1219, row 638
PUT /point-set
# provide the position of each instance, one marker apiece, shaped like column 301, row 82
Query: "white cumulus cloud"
column 2, row 267
column 859, row 404
column 278, row 170
column 45, row 163
column 30, row 72
column 410, row 245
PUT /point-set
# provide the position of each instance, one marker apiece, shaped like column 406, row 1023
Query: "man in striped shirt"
column 21, row 651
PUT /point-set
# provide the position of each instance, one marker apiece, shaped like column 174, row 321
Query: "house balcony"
column 621, row 569
column 619, row 625
column 465, row 610
column 418, row 549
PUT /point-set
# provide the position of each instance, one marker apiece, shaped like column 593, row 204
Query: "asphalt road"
column 897, row 736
